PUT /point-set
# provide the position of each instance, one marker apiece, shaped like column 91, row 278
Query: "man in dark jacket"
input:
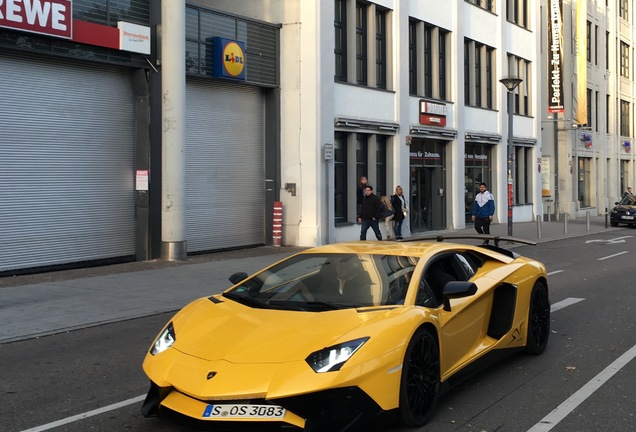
column 483, row 210
column 370, row 213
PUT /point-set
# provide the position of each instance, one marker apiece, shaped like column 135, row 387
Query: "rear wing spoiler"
column 495, row 239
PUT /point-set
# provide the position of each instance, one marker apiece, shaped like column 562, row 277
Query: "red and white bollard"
column 277, row 232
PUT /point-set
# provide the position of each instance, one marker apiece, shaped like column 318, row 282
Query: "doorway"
column 427, row 188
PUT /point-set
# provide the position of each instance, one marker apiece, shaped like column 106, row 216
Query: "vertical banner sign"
column 581, row 62
column 555, row 57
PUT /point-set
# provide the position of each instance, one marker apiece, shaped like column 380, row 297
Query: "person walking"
column 628, row 192
column 388, row 213
column 369, row 214
column 401, row 211
column 483, row 210
column 360, row 192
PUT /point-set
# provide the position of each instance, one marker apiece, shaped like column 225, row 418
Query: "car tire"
column 614, row 224
column 538, row 319
column 420, row 382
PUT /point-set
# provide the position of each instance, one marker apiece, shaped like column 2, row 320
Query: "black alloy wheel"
column 538, row 319
column 420, row 383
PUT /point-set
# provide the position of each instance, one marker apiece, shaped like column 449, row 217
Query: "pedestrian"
column 401, row 211
column 360, row 192
column 387, row 214
column 483, row 210
column 369, row 214
column 628, row 192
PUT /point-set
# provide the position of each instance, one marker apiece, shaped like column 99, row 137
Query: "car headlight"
column 164, row 341
column 332, row 358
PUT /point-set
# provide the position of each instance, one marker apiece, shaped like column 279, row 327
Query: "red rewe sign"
column 49, row 17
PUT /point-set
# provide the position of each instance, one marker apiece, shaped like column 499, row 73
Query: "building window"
column 624, row 60
column 607, row 45
column 484, row 4
column 596, row 45
column 589, row 107
column 624, row 9
column 478, row 74
column 607, row 115
column 428, row 60
column 441, row 61
column 366, row 37
column 340, row 50
column 340, row 177
column 361, row 44
column 517, row 12
column 380, row 165
column 596, row 111
column 521, row 68
column 477, row 169
column 589, row 42
column 413, row 57
column 380, row 48
column 523, row 175
column 625, row 129
column 357, row 155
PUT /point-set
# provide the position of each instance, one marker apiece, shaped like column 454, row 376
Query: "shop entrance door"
column 428, row 209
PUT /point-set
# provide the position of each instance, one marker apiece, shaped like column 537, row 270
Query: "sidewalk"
column 66, row 301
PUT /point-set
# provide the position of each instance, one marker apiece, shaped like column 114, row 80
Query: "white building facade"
column 406, row 93
column 587, row 147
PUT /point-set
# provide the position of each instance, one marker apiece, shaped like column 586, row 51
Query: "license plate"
column 244, row 411
column 628, row 217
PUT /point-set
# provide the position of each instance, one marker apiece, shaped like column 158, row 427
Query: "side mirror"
column 238, row 277
column 457, row 289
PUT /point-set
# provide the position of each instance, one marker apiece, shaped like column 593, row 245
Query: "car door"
column 463, row 327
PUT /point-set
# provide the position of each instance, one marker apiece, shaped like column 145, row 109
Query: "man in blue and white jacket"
column 483, row 210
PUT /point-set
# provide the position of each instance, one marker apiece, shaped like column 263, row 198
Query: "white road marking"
column 570, row 404
column 555, row 272
column 86, row 414
column 565, row 303
column 612, row 256
column 556, row 306
column 610, row 241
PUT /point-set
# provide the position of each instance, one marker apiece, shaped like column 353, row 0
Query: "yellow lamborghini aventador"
column 334, row 337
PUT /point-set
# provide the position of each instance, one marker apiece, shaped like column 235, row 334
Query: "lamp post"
column 511, row 84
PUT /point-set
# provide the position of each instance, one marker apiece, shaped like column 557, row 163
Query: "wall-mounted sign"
column 433, row 114
column 229, row 58
column 133, row 37
column 48, row 17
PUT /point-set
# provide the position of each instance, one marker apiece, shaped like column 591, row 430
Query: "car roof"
column 416, row 248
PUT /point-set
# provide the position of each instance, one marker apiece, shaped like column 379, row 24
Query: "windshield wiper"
column 247, row 301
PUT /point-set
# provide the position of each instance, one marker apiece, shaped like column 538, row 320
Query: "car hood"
column 239, row 334
column 624, row 208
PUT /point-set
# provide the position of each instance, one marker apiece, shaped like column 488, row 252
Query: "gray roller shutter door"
column 225, row 198
column 66, row 162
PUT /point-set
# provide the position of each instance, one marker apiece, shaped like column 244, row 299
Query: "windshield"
column 313, row 282
column 628, row 200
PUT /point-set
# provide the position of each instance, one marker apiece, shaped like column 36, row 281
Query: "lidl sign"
column 229, row 58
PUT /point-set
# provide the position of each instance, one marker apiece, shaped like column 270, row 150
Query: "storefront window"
column 477, row 169
column 428, row 190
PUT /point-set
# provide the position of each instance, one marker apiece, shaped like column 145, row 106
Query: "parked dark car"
column 624, row 212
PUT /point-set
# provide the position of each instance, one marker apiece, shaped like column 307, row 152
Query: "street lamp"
column 511, row 84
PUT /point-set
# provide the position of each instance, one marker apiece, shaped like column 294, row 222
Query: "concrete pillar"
column 173, row 100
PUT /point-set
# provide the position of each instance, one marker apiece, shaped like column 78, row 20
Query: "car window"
column 327, row 281
column 466, row 266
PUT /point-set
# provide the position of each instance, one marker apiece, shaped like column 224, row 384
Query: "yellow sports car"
column 339, row 337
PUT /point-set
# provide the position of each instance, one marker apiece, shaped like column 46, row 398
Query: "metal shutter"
column 66, row 162
column 225, row 196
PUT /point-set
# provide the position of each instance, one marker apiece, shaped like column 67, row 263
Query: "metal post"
column 511, row 84
column 538, row 227
column 587, row 220
column 549, row 214
column 565, row 223
column 556, row 165
column 510, row 155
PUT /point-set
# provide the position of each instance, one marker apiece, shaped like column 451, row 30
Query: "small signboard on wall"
column 229, row 59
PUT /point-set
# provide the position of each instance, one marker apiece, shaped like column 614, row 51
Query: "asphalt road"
column 91, row 379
